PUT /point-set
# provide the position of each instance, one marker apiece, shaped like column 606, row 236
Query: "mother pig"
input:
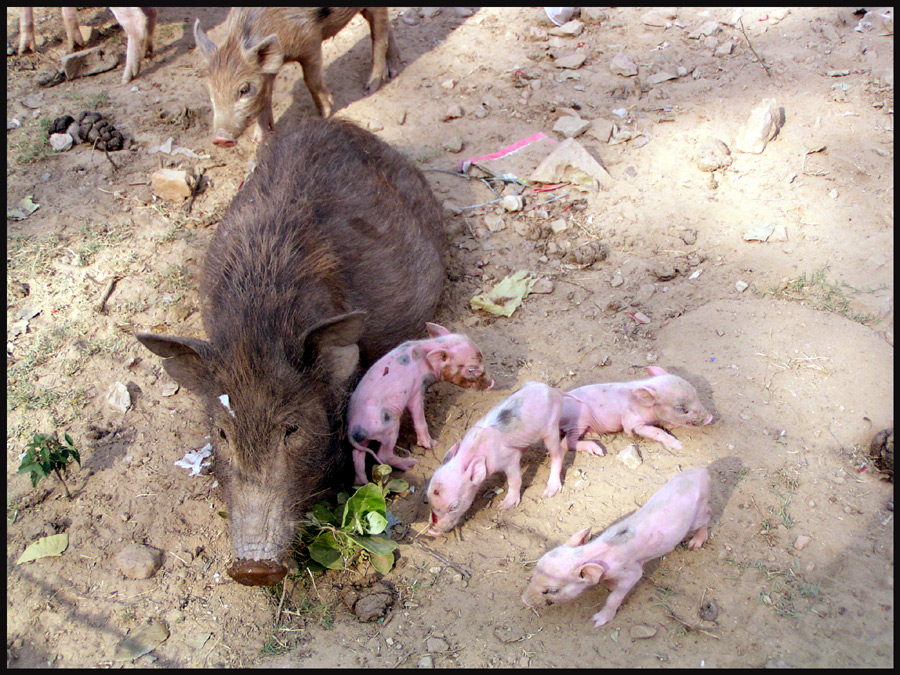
column 330, row 255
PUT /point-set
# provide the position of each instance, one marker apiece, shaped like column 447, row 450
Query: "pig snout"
column 223, row 140
column 257, row 572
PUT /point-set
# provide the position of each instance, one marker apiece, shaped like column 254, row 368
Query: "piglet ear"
column 579, row 538
column 656, row 370
column 645, row 396
column 592, row 573
column 476, row 472
column 437, row 359
column 436, row 330
column 451, row 453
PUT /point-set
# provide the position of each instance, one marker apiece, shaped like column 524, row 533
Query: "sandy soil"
column 798, row 367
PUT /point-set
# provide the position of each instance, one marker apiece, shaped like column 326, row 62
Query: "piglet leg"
column 623, row 583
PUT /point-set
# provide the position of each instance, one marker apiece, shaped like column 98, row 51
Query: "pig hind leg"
column 386, row 453
column 557, row 453
column 701, row 525
column 385, row 55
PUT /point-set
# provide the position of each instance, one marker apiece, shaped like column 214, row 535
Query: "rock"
column 759, row 129
column 513, row 202
column 455, row 111
column 621, row 64
column 601, row 129
column 429, row 12
column 369, row 603
column 640, row 317
column 572, row 61
column 724, row 49
column 661, row 76
column 801, row 541
column 689, row 237
column 543, row 287
column 631, row 458
column 708, row 28
column 741, row 286
column 453, row 145
column 569, row 161
column 170, row 185
column 118, row 397
column 559, row 225
column 571, row 28
column 463, row 12
column 89, row 62
column 426, row 662
column 137, row 561
column 374, row 125
column 436, row 644
column 570, row 127
column 593, row 14
column 713, row 155
column 448, row 84
column 589, row 254
column 641, row 632
column 61, row 142
column 494, row 223
column 658, row 18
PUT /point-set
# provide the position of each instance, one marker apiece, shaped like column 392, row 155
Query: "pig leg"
column 619, row 588
column 265, row 123
column 701, row 525
column 386, row 451
column 416, row 408
column 312, row 75
column 557, row 453
column 591, row 448
column 513, row 486
column 657, row 434
column 26, row 30
column 385, row 57
column 138, row 25
column 359, row 463
column 73, row 35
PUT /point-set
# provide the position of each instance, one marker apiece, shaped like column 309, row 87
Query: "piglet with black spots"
column 398, row 382
column 618, row 555
column 633, row 407
column 496, row 443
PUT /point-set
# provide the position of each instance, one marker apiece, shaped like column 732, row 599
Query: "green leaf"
column 376, row 523
column 397, row 485
column 367, row 498
column 45, row 546
column 380, row 473
column 382, row 563
column 378, row 544
column 324, row 514
column 326, row 551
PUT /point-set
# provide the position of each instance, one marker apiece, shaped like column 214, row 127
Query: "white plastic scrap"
column 223, row 399
column 193, row 460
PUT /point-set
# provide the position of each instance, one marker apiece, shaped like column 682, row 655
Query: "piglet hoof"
column 551, row 490
column 591, row 448
column 602, row 618
column 511, row 501
column 426, row 443
column 698, row 539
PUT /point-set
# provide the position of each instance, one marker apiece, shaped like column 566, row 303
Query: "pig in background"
column 397, row 382
column 496, row 443
column 633, row 407
column 304, row 281
column 137, row 22
column 617, row 556
column 258, row 40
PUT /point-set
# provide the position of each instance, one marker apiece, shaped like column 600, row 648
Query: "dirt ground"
column 797, row 366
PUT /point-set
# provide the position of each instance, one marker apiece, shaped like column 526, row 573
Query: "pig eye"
column 454, row 506
column 550, row 591
column 244, row 90
column 681, row 410
column 291, row 428
column 222, row 435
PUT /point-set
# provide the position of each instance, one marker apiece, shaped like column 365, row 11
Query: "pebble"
column 572, row 61
column 724, row 49
column 759, row 129
column 640, row 317
column 689, row 237
column 542, row 286
column 621, row 64
column 713, row 155
column 631, row 458
column 426, row 662
column 453, row 145
column 435, row 644
column 61, row 142
column 641, row 632
column 513, row 202
column 118, row 397
column 137, row 561
column 559, row 225
column 570, row 126
column 655, row 18
column 429, row 12
column 571, row 28
column 617, row 280
column 453, row 112
column 170, row 184
column 741, row 286
column 448, row 84
column 708, row 28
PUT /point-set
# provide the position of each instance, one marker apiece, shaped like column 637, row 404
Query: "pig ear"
column 265, row 54
column 656, row 370
column 645, row 396
column 579, row 538
column 591, row 573
column 206, row 46
column 437, row 359
column 436, row 330
column 476, row 472
column 451, row 453
column 185, row 359
column 331, row 344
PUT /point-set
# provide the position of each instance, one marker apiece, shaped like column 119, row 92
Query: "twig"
column 194, row 190
column 749, row 44
column 673, row 615
column 106, row 152
column 280, row 602
column 101, row 308
column 444, row 560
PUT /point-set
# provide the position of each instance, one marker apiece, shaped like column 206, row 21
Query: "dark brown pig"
column 329, row 255
column 258, row 40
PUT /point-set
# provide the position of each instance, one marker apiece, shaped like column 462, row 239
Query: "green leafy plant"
column 343, row 533
column 46, row 455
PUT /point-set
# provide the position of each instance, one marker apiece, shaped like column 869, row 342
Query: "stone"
column 137, row 561
column 631, row 458
column 708, row 28
column 661, row 76
column 622, row 64
column 453, row 112
column 641, row 632
column 61, row 142
column 170, row 185
column 572, row 61
column 713, row 155
column 118, row 397
column 569, row 161
column 761, row 127
column 801, row 541
column 89, row 62
column 571, row 28
column 570, row 126
column 725, row 48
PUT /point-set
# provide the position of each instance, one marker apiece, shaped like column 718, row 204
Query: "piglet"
column 496, row 443
column 398, row 381
column 632, row 407
column 618, row 555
